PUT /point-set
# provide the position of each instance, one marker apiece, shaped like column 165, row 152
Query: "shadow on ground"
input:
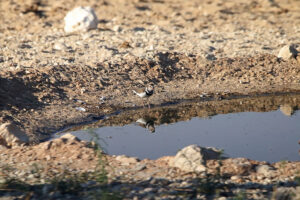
column 198, row 188
column 14, row 92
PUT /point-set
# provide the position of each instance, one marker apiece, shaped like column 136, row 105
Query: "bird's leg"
column 143, row 104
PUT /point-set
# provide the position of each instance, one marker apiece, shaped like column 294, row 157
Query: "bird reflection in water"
column 146, row 123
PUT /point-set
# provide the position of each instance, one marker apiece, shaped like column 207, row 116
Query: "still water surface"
column 265, row 136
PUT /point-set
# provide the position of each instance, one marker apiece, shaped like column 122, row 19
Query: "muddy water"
column 265, row 129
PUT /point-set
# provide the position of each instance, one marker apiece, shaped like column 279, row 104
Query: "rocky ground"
column 58, row 170
column 201, row 50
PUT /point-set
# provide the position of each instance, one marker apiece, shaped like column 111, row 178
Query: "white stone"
column 193, row 158
column 287, row 52
column 265, row 170
column 80, row 109
column 117, row 28
column 151, row 48
column 59, row 46
column 11, row 135
column 80, row 19
column 125, row 160
column 234, row 178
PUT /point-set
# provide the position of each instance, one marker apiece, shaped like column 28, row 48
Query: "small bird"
column 146, row 93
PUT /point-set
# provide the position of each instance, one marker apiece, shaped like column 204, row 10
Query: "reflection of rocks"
column 187, row 110
column 147, row 123
column 287, row 109
column 11, row 135
column 193, row 158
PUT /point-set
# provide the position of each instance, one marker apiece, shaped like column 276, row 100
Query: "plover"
column 146, row 93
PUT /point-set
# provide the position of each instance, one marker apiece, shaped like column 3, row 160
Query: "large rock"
column 287, row 52
column 193, row 158
column 80, row 19
column 11, row 135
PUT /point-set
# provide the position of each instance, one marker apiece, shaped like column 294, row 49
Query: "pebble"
column 147, row 190
column 287, row 52
column 140, row 167
column 234, row 178
column 125, row 160
column 265, row 170
column 79, row 101
column 80, row 109
column 2, row 180
column 31, row 176
column 117, row 28
column 59, row 46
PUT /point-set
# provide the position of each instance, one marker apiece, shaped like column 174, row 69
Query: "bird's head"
column 150, row 88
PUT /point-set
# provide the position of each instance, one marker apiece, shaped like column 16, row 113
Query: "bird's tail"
column 134, row 92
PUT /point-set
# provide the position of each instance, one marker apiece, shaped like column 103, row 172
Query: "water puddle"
column 264, row 128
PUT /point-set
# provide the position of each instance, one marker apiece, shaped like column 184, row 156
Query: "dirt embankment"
column 33, row 97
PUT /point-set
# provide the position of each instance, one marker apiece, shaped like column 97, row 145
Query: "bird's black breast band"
column 149, row 93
